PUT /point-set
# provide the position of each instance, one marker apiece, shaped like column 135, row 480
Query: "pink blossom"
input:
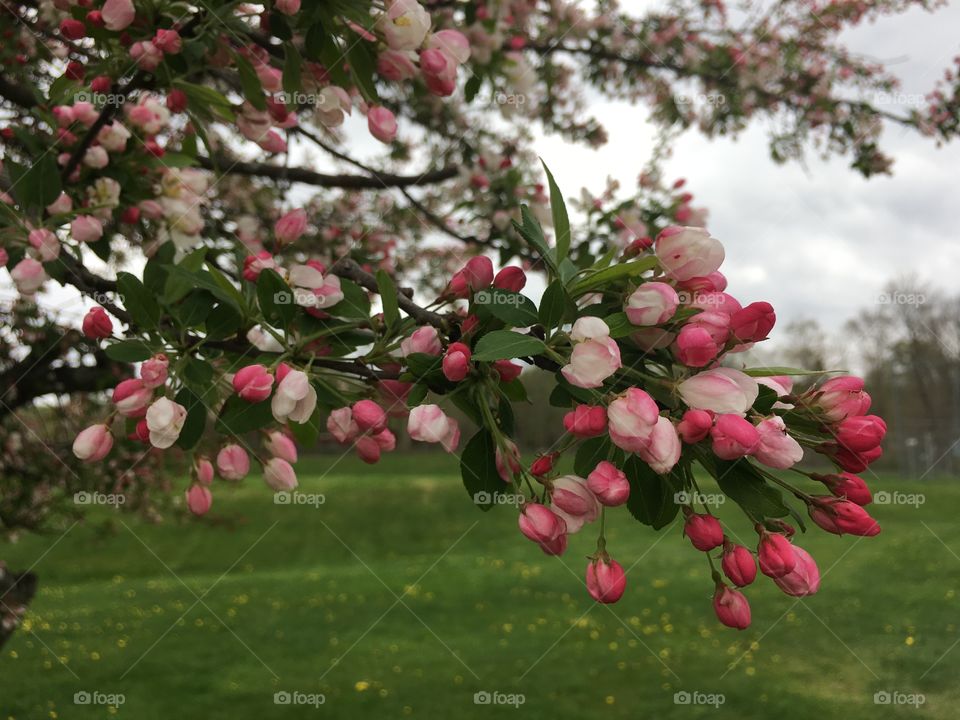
column 632, row 418
column 777, row 448
column 382, row 124
column 93, row 443
column 423, row 340
column 733, row 437
column 609, row 484
column 253, row 383
column 721, row 390
column 652, row 303
column 117, row 14
column 233, row 463
column 199, row 499
column 606, row 580
column 731, row 607
column 97, row 324
column 291, row 226
column 279, row 475
column 165, row 419
column 688, row 252
column 428, row 423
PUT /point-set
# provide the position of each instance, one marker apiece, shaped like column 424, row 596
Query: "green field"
column 396, row 597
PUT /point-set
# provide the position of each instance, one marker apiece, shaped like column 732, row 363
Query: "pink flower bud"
column 199, row 499
column 28, row 275
column 510, row 278
column 382, row 124
column 695, row 347
column 281, row 445
column 146, row 55
column 574, row 502
column 342, row 426
column 606, row 580
column 508, row 464
column 86, row 228
column 632, row 418
column 93, row 443
column 842, row 516
column 540, row 524
column 453, row 42
column 842, row 397
column 73, row 29
column 131, row 397
column 847, row 485
column 543, row 465
column 662, row 450
column 233, row 463
column 733, row 437
column 395, row 66
column 168, row 41
column 704, row 531
column 424, row 340
column 595, row 357
column 861, row 434
column 287, row 7
column 253, row 383
column 731, row 607
column 586, row 421
column 478, row 272
column 804, row 579
column 253, row 265
column 652, row 303
column 117, row 14
column 204, row 471
column 177, row 101
column 738, row 564
column 291, row 226
column 295, row 398
column 688, row 252
column 97, row 324
column 456, row 362
column 279, row 475
column 507, row 370
column 721, row 390
column 695, row 426
column 165, row 419
column 428, row 423
column 153, row 372
column 775, row 554
column 369, row 416
column 45, row 243
column 609, row 484
column 754, row 322
column 777, row 449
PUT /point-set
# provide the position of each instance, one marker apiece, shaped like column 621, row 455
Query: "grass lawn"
column 396, row 597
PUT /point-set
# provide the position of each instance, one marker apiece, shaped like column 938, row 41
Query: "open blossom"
column 688, row 252
column 117, row 14
column 652, row 303
column 721, row 390
column 313, row 289
column 165, row 419
column 233, row 463
column 405, row 25
column 153, row 372
column 113, row 137
column 606, row 580
column 595, row 356
column 428, row 423
column 93, row 443
column 295, row 398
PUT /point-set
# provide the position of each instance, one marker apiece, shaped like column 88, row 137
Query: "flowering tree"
column 157, row 159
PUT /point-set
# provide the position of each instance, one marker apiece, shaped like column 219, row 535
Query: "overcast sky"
column 815, row 240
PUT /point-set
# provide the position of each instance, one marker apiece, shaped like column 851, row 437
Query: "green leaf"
column 139, row 302
column 355, row 303
column 478, row 468
column 291, row 71
column 620, row 326
column 743, row 484
column 561, row 221
column 472, row 87
column 223, row 322
column 237, row 416
column 592, row 451
column 37, row 186
column 531, row 231
column 765, row 400
column 505, row 344
column 512, row 308
column 196, row 419
column 612, row 274
column 129, row 351
column 275, row 298
column 250, row 83
column 388, row 298
column 363, row 64
column 555, row 305
column 652, row 497
column 771, row 371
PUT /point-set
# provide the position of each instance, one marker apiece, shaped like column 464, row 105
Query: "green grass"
column 309, row 600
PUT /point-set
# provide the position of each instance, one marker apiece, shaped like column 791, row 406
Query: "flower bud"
column 369, row 416
column 253, row 383
column 695, row 426
column 540, row 523
column 574, row 502
column 97, row 324
column 428, row 423
column 290, row 226
column 606, row 580
column 93, row 443
column 199, row 499
column 233, row 463
column 478, row 272
column 721, row 390
column 342, row 426
column 543, row 465
column 777, row 449
column 204, row 470
column 281, row 445
column 704, row 531
column 775, row 554
column 753, row 323
column 423, row 340
column 586, row 421
column 456, row 362
column 153, row 372
column 117, row 14
column 382, row 124
column 510, row 278
column 731, row 607
column 653, row 303
column 842, row 516
column 632, row 418
column 847, row 485
column 804, row 579
column 688, row 252
column 131, row 397
column 695, row 347
column 733, row 437
column 279, row 475
column 862, row 433
column 86, row 229
column 609, row 484
column 165, row 420
column 842, row 397
column 738, row 564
